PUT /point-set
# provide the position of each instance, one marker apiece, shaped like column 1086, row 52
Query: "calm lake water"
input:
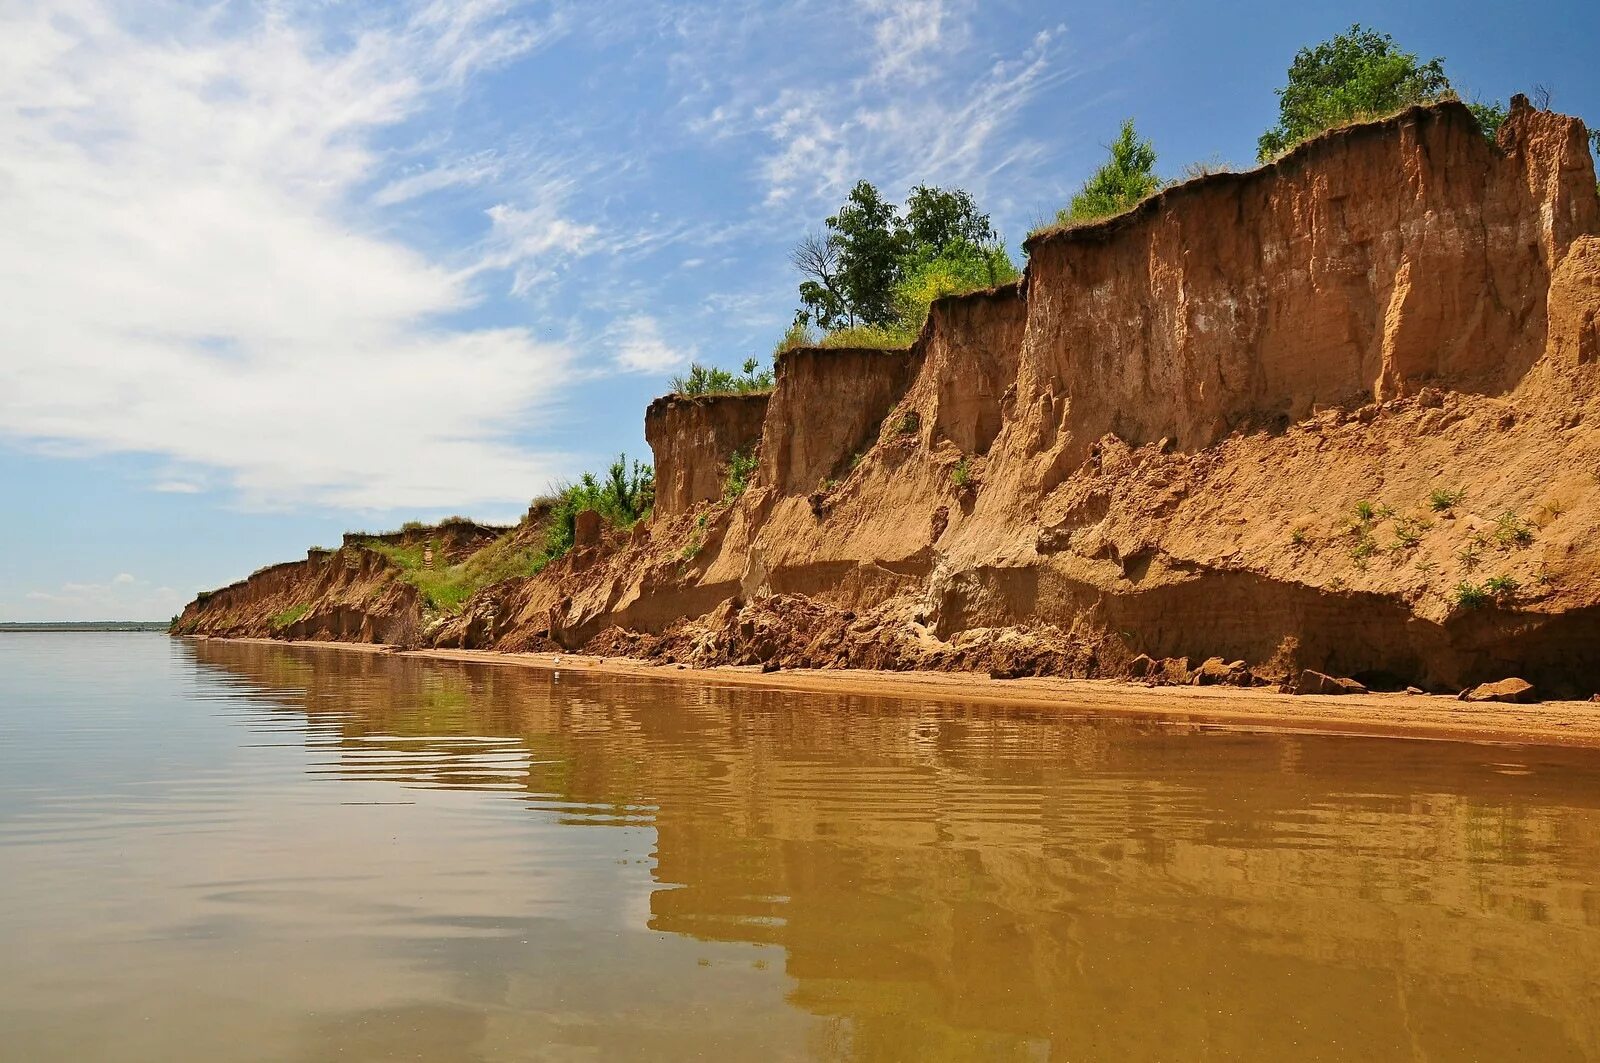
column 236, row 852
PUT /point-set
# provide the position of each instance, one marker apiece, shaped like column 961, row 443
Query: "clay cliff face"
column 692, row 440
column 1337, row 413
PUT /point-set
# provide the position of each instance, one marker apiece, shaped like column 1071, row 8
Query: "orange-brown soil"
column 1338, row 413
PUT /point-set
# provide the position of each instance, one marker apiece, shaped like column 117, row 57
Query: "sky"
column 280, row 270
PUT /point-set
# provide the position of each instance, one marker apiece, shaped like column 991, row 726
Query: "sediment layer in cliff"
column 1335, row 413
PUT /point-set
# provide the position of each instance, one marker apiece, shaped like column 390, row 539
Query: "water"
column 239, row 852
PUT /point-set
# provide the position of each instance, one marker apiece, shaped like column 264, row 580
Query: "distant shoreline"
column 84, row 625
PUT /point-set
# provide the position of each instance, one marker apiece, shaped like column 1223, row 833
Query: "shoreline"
column 1428, row 717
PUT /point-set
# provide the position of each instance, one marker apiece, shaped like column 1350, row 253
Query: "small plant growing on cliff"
column 1363, row 550
column 1297, row 537
column 1511, row 531
column 1469, row 555
column 741, row 470
column 1408, row 533
column 1366, row 512
column 908, row 424
column 1471, row 596
column 1444, row 499
column 961, row 475
column 1502, row 587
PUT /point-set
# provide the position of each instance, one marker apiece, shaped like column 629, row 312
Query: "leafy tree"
column 1490, row 117
column 856, row 272
column 1128, row 176
column 1356, row 75
column 937, row 219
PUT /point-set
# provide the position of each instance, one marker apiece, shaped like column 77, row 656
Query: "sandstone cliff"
column 1338, row 412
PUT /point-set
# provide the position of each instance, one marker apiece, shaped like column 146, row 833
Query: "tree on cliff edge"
column 1357, row 75
column 1128, row 176
column 877, row 267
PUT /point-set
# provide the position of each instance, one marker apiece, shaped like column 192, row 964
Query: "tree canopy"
column 875, row 266
column 1357, row 75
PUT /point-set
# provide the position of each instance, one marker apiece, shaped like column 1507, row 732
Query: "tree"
column 1357, row 75
column 870, row 238
column 937, row 219
column 1128, row 176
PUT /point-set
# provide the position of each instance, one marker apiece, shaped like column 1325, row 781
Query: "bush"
column 1127, row 177
column 622, row 498
column 710, row 380
column 741, row 470
column 961, row 475
column 956, row 270
column 1356, row 76
column 1444, row 499
column 798, row 335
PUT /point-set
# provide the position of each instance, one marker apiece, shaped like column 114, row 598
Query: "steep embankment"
column 1337, row 413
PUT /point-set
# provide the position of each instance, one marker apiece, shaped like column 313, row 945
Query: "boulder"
column 1317, row 683
column 586, row 528
column 1141, row 666
column 1215, row 671
column 1514, row 690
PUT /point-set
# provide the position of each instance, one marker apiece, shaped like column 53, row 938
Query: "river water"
column 214, row 851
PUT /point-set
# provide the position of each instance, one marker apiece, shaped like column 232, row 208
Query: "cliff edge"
column 1335, row 413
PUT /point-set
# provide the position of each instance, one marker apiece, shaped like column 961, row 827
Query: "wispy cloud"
column 187, row 274
column 640, row 347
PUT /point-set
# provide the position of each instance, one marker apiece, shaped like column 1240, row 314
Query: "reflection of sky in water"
column 229, row 851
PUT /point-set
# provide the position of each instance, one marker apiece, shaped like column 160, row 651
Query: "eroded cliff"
column 1338, row 412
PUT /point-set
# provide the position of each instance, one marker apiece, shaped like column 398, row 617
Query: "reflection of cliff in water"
column 946, row 881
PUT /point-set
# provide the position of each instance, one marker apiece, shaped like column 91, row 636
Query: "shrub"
column 798, row 335
column 710, row 380
column 1354, row 77
column 1127, row 177
column 1444, row 499
column 741, row 470
column 908, row 424
column 961, row 475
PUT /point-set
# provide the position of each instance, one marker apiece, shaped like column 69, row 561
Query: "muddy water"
column 239, row 852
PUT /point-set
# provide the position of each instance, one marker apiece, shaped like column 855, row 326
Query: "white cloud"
column 534, row 241
column 122, row 578
column 943, row 126
column 187, row 272
column 641, row 348
column 461, row 172
column 176, row 487
column 909, row 34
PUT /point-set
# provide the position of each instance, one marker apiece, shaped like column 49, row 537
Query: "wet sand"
column 1419, row 716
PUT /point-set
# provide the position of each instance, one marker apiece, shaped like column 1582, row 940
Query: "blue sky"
column 279, row 270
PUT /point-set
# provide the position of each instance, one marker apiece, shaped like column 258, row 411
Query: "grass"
column 1444, row 499
column 289, row 616
column 1408, row 533
column 870, row 337
column 1471, row 595
column 961, row 475
column 1297, row 537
